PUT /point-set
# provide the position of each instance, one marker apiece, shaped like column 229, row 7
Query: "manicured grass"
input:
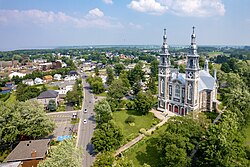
column 104, row 94
column 247, row 134
column 49, row 87
column 11, row 99
column 145, row 151
column 141, row 121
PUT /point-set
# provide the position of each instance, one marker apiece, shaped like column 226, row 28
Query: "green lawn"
column 141, row 121
column 145, row 151
column 11, row 99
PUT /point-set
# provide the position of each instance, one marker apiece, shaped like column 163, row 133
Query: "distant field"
column 212, row 54
column 141, row 121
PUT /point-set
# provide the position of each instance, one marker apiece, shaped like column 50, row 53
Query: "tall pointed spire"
column 165, row 45
column 193, row 47
column 206, row 65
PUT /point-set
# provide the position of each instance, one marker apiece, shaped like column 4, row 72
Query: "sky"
column 51, row 23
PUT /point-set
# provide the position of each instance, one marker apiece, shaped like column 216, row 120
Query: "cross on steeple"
column 165, row 31
column 193, row 29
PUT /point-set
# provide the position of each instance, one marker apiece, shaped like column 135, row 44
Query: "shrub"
column 130, row 119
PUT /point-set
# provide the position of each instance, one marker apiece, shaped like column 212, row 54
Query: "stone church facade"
column 194, row 90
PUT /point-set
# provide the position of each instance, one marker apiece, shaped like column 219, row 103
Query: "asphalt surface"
column 85, row 131
column 63, row 123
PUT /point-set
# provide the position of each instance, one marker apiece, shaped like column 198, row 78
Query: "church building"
column 194, row 90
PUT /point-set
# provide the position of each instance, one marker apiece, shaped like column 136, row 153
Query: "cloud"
column 108, row 1
column 95, row 13
column 94, row 18
column 194, row 8
column 148, row 6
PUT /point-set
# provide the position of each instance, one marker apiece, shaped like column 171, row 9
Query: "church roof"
column 206, row 81
column 180, row 77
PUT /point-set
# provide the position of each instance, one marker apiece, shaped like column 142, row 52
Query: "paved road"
column 85, row 131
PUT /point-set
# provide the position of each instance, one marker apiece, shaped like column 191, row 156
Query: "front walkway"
column 160, row 115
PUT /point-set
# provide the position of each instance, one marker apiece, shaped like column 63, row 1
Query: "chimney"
column 33, row 154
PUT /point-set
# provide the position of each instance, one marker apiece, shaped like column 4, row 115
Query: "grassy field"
column 141, row 121
column 212, row 54
column 146, row 151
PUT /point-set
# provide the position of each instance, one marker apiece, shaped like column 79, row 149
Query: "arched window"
column 177, row 91
column 162, row 86
column 189, row 92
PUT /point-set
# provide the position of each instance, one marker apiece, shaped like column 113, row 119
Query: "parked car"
column 85, row 110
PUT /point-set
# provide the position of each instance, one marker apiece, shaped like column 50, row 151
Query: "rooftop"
column 48, row 94
column 25, row 149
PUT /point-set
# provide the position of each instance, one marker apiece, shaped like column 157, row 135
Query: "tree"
column 136, row 87
column 97, row 87
column 130, row 119
column 17, row 121
column 154, row 68
column 105, row 159
column 118, row 68
column 225, row 68
column 151, row 85
column 66, row 154
column 136, row 74
column 124, row 77
column 224, row 144
column 97, row 71
column 107, row 137
column 103, row 112
column 116, row 91
column 144, row 101
column 110, row 75
column 176, row 145
column 52, row 105
column 25, row 92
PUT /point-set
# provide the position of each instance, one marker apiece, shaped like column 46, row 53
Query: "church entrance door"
column 176, row 109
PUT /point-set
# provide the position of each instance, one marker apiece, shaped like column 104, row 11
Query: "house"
column 64, row 87
column 9, row 86
column 29, row 82
column 48, row 95
column 11, row 164
column 5, row 90
column 57, row 77
column 57, row 64
column 47, row 78
column 70, row 78
column 38, row 81
column 40, row 60
column 73, row 73
column 29, row 152
column 16, row 74
column 45, row 66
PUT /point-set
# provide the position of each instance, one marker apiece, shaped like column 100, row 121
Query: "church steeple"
column 164, row 47
column 193, row 46
column 206, row 65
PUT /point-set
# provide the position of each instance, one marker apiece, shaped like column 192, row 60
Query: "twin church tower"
column 194, row 90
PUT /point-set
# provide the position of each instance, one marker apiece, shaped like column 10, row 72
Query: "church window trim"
column 189, row 91
column 177, row 91
column 162, row 82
